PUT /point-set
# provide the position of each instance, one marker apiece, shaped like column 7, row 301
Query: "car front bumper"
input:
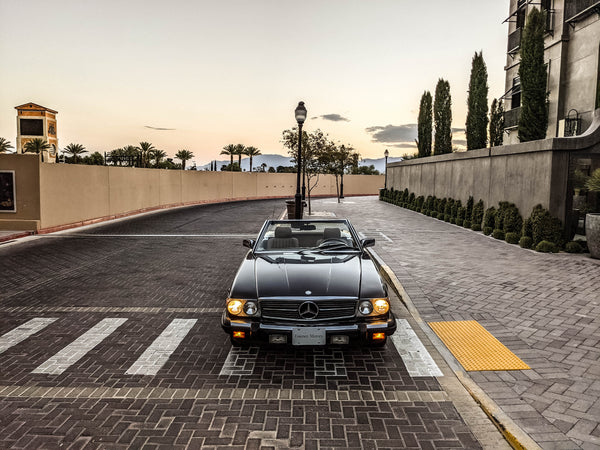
column 255, row 330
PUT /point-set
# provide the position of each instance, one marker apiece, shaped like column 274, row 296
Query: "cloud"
column 394, row 134
column 158, row 128
column 333, row 118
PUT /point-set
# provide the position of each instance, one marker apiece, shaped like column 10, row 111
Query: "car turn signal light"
column 378, row 336
column 239, row 334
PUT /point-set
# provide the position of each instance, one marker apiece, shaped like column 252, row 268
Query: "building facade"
column 36, row 121
column 572, row 55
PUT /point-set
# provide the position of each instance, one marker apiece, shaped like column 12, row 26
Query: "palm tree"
column 133, row 154
column 158, row 155
column 145, row 148
column 184, row 155
column 4, row 145
column 229, row 150
column 250, row 152
column 75, row 150
column 239, row 150
column 38, row 146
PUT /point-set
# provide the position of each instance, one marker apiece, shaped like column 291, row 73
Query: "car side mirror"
column 370, row 242
column 249, row 243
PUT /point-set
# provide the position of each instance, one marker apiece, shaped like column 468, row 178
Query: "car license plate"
column 308, row 336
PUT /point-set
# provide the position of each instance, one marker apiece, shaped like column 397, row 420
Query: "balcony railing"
column 511, row 117
column 514, row 40
column 578, row 9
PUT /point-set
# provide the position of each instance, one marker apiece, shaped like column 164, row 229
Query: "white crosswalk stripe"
column 155, row 356
column 417, row 359
column 22, row 332
column 73, row 352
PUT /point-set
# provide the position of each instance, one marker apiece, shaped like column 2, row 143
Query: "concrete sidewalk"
column 11, row 235
column 544, row 307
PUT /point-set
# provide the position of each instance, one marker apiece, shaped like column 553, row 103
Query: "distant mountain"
column 274, row 161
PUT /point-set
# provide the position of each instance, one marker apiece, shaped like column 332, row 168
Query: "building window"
column 515, row 99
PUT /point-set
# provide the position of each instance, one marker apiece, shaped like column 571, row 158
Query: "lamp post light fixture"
column 386, row 154
column 300, row 113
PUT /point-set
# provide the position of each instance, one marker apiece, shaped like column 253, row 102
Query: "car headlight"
column 365, row 308
column 381, row 305
column 250, row 308
column 235, row 307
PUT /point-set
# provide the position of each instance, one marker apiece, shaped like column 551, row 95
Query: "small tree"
column 442, row 116
column 424, row 125
column 477, row 104
column 5, row 145
column 75, row 150
column 145, row 149
column 251, row 152
column 38, row 146
column 533, row 120
column 496, row 123
column 183, row 156
column 229, row 150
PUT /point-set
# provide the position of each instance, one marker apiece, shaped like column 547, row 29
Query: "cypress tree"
column 424, row 125
column 496, row 123
column 477, row 104
column 442, row 116
column 533, row 121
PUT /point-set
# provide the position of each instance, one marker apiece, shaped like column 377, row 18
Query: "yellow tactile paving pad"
column 475, row 348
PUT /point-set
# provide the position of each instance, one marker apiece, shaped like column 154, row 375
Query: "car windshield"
column 307, row 236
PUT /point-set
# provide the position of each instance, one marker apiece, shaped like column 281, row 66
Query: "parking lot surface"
column 110, row 337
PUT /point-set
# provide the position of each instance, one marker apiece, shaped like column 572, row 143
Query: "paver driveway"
column 110, row 336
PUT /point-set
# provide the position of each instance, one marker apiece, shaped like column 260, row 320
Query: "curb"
column 513, row 434
column 14, row 236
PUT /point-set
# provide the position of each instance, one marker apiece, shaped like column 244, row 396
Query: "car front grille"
column 289, row 309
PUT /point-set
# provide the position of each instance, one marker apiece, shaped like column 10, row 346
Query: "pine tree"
column 424, row 126
column 442, row 116
column 496, row 123
column 533, row 121
column 477, row 104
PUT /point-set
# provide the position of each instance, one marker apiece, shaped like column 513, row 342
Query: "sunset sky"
column 212, row 73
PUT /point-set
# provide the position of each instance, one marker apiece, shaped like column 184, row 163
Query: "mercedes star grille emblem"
column 308, row 310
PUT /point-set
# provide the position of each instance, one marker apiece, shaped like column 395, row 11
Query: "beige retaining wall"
column 51, row 196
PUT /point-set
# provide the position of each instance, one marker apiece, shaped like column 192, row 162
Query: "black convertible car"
column 308, row 283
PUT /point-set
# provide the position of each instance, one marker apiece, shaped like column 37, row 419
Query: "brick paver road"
column 110, row 337
column 543, row 307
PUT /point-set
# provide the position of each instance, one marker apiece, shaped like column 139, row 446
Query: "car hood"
column 325, row 278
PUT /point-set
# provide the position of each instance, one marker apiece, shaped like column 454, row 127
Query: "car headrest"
column 283, row 232
column 331, row 233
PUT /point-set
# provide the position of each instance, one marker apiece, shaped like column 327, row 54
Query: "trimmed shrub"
column 498, row 234
column 513, row 222
column 460, row 215
column 453, row 220
column 573, row 247
column 476, row 227
column 448, row 207
column 454, row 211
column 546, row 247
column 477, row 215
column 489, row 218
column 545, row 227
column 469, row 211
column 527, row 229
column 583, row 244
column 411, row 199
column 419, row 202
column 434, row 214
column 487, row 230
column 526, row 242
column 466, row 223
column 512, row 237
column 442, row 206
column 446, row 217
column 499, row 221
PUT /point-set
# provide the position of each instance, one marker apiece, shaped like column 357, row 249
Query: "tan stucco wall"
column 57, row 195
column 27, row 180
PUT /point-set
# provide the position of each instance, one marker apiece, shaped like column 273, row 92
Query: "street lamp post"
column 300, row 113
column 386, row 154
